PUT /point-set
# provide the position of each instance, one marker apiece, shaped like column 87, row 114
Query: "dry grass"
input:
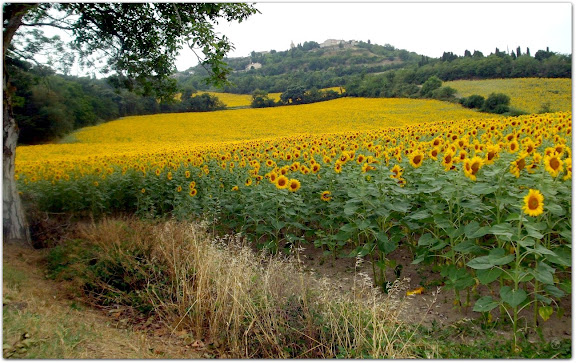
column 248, row 305
column 40, row 321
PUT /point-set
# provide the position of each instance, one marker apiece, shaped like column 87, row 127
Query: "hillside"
column 313, row 65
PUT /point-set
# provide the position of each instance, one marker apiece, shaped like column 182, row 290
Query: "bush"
column 202, row 103
column 497, row 103
column 474, row 101
column 260, row 99
column 444, row 93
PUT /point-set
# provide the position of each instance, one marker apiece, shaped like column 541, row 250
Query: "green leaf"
column 483, row 188
column 426, row 240
column 566, row 285
column 527, row 242
column 555, row 209
column 502, row 229
column 487, row 276
column 419, row 215
column 384, row 244
column 554, row 291
column 512, row 297
column 544, row 273
column 499, row 256
column 545, row 312
column 473, row 230
column 485, row 304
column 543, row 250
column 467, row 246
column 546, row 300
column 562, row 256
column 532, row 232
column 481, row 263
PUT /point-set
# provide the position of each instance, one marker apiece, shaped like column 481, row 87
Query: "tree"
column 430, row 85
column 293, row 95
column 473, row 101
column 497, row 103
column 137, row 43
column 261, row 99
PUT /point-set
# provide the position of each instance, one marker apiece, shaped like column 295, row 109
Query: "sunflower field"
column 487, row 200
column 527, row 94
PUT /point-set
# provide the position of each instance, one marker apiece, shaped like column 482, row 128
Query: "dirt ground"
column 342, row 272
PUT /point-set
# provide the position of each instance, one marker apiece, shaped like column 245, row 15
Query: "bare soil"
column 346, row 271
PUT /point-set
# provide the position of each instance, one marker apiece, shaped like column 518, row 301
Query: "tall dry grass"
column 249, row 305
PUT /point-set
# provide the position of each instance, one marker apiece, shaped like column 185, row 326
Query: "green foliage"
column 496, row 103
column 473, row 101
column 260, row 99
column 444, row 93
column 431, row 84
column 202, row 103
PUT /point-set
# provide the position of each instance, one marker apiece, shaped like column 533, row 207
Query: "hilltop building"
column 253, row 66
column 337, row 42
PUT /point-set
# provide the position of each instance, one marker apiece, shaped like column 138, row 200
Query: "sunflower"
column 568, row 163
column 448, row 159
column 248, row 182
column 513, row 146
column 187, row 174
column 553, row 164
column 472, row 166
column 169, row 175
column 192, row 185
column 273, row 176
column 337, row 167
column 491, row 154
column 367, row 167
column 518, row 165
column 235, row 188
column 143, row 190
column 326, row 196
column 536, row 160
column 534, row 203
column 361, row 159
column 293, row 185
column 529, row 145
column 315, row 168
column 179, row 188
column 193, row 192
column 416, row 158
column 433, row 153
column 396, row 172
column 282, row 182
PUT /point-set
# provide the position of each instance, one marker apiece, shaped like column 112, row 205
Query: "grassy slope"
column 527, row 94
column 40, row 320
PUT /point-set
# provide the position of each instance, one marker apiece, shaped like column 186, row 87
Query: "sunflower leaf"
column 485, row 304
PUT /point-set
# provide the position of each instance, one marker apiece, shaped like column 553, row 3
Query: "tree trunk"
column 15, row 227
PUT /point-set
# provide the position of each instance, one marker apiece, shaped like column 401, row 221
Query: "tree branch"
column 48, row 24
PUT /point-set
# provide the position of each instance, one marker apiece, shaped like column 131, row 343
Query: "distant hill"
column 337, row 63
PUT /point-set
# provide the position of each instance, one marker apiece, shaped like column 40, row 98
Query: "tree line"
column 48, row 106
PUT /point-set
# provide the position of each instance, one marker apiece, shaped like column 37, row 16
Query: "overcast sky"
column 425, row 28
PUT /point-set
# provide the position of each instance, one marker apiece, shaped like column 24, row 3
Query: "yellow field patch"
column 233, row 100
column 344, row 114
column 527, row 94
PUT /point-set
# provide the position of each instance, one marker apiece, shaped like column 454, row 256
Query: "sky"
column 425, row 28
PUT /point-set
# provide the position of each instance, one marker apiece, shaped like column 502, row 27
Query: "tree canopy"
column 136, row 43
